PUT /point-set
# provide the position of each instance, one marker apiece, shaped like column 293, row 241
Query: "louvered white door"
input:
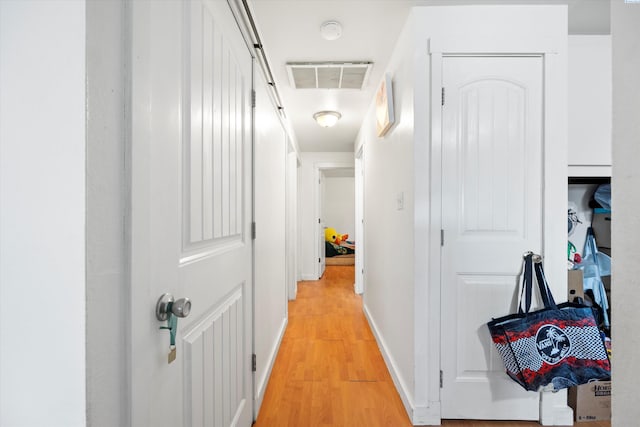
column 491, row 215
column 191, row 213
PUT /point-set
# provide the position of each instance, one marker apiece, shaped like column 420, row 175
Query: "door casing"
column 553, row 408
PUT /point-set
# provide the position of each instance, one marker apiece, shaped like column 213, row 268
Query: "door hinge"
column 442, row 96
column 318, row 220
column 441, row 380
column 253, row 98
column 319, row 261
column 441, row 237
column 253, row 231
column 254, row 364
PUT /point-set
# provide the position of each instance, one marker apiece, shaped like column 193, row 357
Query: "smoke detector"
column 331, row 30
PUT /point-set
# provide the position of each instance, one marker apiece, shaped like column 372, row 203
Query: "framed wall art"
column 384, row 106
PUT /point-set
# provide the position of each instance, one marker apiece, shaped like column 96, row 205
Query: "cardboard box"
column 592, row 401
column 575, row 286
column 602, row 229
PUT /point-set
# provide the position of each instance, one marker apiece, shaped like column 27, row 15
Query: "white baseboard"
column 401, row 387
column 308, row 277
column 427, row 415
column 263, row 381
column 554, row 410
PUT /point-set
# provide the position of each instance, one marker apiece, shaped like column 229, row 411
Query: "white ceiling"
column 290, row 32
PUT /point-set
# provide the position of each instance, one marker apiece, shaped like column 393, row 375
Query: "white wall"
column 292, row 222
column 271, row 295
column 107, row 290
column 625, row 227
column 307, row 201
column 388, row 232
column 402, row 299
column 339, row 205
column 42, row 213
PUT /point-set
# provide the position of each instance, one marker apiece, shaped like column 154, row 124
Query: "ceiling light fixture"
column 326, row 119
column 331, row 30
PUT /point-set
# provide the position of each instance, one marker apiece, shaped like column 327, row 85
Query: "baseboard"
column 401, row 387
column 554, row 410
column 308, row 277
column 427, row 415
column 264, row 380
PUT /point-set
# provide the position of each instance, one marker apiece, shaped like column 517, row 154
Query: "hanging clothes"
column 594, row 265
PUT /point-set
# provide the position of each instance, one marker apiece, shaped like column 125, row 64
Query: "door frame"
column 553, row 407
column 292, row 166
column 319, row 168
column 359, row 225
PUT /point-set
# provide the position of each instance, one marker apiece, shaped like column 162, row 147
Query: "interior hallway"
column 329, row 371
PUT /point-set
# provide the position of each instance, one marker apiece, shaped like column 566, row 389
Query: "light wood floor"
column 329, row 371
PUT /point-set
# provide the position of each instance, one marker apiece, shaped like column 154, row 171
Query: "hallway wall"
column 42, row 220
column 270, row 309
column 625, row 32
column 389, row 290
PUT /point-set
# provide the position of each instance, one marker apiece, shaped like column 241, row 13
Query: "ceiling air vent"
column 328, row 75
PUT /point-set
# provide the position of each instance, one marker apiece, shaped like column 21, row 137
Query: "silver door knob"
column 167, row 304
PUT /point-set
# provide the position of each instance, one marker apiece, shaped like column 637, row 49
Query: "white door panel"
column 191, row 213
column 491, row 215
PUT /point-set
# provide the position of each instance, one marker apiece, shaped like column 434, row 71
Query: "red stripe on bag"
column 571, row 362
column 533, row 328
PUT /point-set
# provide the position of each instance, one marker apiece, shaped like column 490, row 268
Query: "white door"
column 191, row 82
column 491, row 215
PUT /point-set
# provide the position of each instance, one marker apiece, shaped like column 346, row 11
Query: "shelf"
column 589, row 171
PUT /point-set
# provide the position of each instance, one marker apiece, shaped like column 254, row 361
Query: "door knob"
column 167, row 304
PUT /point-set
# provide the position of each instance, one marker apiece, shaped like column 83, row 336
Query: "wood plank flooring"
column 473, row 423
column 329, row 371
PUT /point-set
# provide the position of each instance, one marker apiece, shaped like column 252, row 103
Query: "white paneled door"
column 491, row 215
column 191, row 148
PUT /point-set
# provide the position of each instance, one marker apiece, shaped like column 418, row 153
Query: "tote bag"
column 556, row 347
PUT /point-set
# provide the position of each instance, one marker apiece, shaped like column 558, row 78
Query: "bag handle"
column 534, row 262
column 543, row 286
column 526, row 283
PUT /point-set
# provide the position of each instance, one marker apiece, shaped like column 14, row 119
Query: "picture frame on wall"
column 384, row 106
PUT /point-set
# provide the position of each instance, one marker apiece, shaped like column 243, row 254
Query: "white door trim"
column 292, row 165
column 359, row 225
column 553, row 408
column 319, row 167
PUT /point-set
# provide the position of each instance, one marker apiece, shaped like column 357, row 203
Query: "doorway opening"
column 335, row 209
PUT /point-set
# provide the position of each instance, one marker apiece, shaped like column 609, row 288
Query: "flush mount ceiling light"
column 326, row 119
column 331, row 30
